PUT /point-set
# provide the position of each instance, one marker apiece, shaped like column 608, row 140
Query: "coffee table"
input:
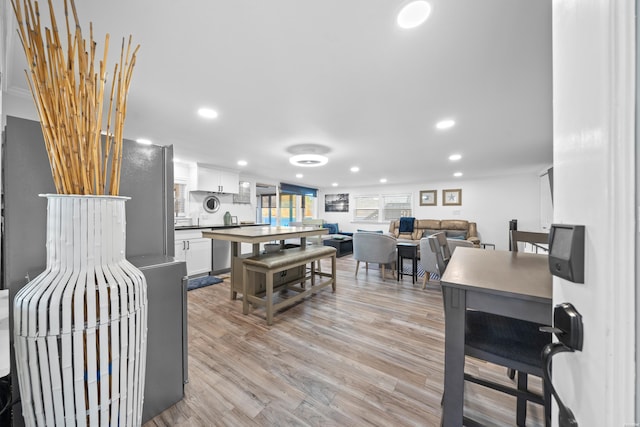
column 343, row 244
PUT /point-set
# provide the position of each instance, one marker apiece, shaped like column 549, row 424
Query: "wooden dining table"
column 256, row 235
column 513, row 284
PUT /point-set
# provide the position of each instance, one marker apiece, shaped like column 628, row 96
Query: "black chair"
column 533, row 238
column 512, row 343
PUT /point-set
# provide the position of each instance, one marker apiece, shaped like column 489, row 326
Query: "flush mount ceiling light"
column 413, row 14
column 457, row 174
column 299, row 175
column 335, row 184
column 445, row 124
column 355, row 169
column 242, row 163
column 308, row 155
column 308, row 160
column 455, row 157
column 207, row 113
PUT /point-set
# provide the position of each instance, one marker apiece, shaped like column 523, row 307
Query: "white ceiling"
column 339, row 73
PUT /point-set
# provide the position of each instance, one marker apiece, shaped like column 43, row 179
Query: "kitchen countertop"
column 214, row 226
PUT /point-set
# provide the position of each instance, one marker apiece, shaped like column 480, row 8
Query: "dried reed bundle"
column 69, row 94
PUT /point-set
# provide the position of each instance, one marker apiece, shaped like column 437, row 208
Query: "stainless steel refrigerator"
column 147, row 177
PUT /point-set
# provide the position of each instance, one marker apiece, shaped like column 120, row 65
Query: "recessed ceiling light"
column 143, row 141
column 445, row 124
column 383, row 180
column 308, row 160
column 242, row 163
column 355, row 169
column 335, row 184
column 208, row 113
column 414, row 14
column 455, row 157
column 457, row 174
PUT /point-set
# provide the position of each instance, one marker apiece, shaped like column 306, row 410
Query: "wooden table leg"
column 269, row 307
column 245, row 288
column 235, row 253
column 333, row 272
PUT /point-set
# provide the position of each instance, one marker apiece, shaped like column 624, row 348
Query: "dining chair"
column 440, row 247
column 428, row 259
column 513, row 343
column 531, row 237
column 376, row 248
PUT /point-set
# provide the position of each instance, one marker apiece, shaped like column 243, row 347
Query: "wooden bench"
column 276, row 262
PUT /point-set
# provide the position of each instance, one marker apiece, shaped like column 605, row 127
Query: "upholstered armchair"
column 376, row 248
column 428, row 258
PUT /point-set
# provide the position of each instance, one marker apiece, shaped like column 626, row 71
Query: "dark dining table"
column 513, row 284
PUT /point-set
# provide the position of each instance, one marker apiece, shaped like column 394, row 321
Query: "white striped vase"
column 80, row 327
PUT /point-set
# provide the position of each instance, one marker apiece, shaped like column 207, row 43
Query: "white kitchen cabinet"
column 217, row 180
column 194, row 249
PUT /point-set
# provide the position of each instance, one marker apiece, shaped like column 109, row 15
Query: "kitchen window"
column 179, row 199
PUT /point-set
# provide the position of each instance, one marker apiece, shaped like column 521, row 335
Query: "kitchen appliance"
column 147, row 177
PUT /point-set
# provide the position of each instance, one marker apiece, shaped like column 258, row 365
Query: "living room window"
column 382, row 208
column 395, row 206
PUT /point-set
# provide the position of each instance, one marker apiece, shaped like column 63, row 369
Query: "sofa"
column 334, row 229
column 453, row 228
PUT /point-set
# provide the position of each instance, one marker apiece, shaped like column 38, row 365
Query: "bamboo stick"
column 69, row 92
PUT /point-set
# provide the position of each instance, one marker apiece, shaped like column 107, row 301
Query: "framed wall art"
column 428, row 198
column 452, row 197
column 336, row 202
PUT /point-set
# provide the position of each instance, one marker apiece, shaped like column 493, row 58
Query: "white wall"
column 490, row 202
column 593, row 85
column 186, row 172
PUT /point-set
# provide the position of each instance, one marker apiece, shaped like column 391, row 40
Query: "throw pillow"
column 429, row 232
column 459, row 234
column 333, row 228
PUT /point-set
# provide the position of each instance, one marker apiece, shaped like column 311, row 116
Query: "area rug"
column 407, row 268
column 201, row 282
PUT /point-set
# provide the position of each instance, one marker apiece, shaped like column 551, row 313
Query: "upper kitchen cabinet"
column 217, row 180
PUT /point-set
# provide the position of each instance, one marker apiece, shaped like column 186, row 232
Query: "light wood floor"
column 369, row 355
